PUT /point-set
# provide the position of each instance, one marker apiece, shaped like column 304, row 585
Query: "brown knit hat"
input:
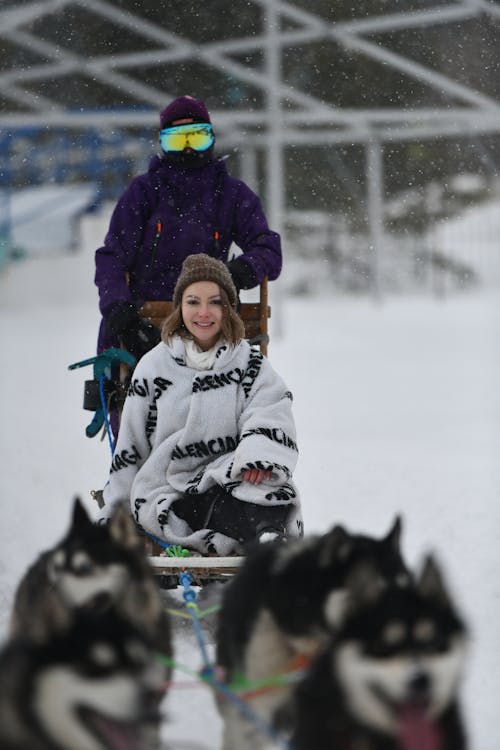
column 201, row 267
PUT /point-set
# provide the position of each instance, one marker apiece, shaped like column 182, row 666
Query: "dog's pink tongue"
column 416, row 730
column 116, row 735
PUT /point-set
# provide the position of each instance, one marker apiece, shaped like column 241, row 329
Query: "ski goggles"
column 198, row 136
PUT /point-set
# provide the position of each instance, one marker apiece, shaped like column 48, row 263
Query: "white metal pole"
column 248, row 165
column 275, row 167
column 375, row 197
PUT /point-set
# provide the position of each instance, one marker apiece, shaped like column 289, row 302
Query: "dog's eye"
column 103, row 655
column 137, row 652
column 81, row 563
column 57, row 561
column 424, row 631
column 389, row 640
column 394, row 633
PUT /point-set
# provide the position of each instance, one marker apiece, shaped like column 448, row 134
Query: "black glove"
column 137, row 335
column 242, row 275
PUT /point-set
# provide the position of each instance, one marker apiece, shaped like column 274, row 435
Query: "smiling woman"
column 214, row 446
column 202, row 313
column 205, row 301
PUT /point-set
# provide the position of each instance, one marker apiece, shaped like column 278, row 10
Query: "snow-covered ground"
column 398, row 411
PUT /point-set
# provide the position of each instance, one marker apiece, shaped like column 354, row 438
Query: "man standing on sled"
column 185, row 203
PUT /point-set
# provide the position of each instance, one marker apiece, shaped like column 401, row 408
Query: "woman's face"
column 202, row 312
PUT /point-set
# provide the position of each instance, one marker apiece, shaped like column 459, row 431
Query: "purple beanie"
column 184, row 106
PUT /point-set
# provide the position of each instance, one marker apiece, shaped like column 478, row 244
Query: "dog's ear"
column 393, row 537
column 335, row 545
column 123, row 530
column 80, row 517
column 431, row 583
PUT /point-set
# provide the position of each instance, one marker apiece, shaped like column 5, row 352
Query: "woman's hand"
column 255, row 476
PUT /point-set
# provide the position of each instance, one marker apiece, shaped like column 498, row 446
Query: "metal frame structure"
column 286, row 109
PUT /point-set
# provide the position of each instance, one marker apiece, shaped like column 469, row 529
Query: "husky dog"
column 93, row 686
column 282, row 605
column 92, row 568
column 390, row 677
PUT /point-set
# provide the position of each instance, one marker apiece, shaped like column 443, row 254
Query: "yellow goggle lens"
column 197, row 137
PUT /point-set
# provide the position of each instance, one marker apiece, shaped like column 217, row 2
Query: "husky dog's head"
column 313, row 579
column 93, row 568
column 399, row 654
column 345, row 555
column 93, row 565
column 90, row 687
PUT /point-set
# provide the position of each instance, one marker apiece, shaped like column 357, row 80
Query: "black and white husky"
column 283, row 604
column 93, row 686
column 390, row 677
column 92, row 568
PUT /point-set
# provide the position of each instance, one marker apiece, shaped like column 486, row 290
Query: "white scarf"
column 199, row 359
column 184, row 430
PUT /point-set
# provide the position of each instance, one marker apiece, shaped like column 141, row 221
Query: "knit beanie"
column 183, row 107
column 201, row 267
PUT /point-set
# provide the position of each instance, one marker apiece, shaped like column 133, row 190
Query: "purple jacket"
column 169, row 213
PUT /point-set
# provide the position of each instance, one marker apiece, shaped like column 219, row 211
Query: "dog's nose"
column 419, row 686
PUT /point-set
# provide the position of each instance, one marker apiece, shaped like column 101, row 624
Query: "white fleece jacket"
column 184, row 430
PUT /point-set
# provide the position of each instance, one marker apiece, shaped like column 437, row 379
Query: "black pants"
column 219, row 511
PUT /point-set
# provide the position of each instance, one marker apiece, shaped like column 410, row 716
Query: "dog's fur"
column 390, row 676
column 94, row 685
column 285, row 601
column 92, row 568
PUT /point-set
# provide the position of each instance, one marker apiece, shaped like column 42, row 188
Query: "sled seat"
column 253, row 314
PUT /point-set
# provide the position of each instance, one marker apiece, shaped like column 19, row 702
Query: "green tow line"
column 175, row 550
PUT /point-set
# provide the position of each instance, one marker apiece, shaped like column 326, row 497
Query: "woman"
column 206, row 448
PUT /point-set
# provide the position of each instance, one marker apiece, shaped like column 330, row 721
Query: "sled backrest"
column 253, row 314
